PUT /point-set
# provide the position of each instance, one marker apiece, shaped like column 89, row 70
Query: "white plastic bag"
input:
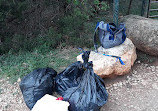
column 49, row 103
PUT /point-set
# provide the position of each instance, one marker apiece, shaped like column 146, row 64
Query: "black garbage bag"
column 36, row 84
column 68, row 78
column 88, row 93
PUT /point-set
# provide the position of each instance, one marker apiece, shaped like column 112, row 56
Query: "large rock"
column 143, row 32
column 106, row 66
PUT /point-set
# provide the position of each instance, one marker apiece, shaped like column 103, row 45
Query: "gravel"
column 136, row 91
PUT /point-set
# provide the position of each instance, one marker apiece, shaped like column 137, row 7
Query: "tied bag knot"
column 86, row 64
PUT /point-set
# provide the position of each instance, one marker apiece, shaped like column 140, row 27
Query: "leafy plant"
column 68, row 25
column 73, row 25
column 49, row 41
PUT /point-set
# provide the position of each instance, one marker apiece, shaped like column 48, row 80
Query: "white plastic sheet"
column 49, row 103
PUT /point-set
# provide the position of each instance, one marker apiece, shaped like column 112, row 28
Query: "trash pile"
column 79, row 87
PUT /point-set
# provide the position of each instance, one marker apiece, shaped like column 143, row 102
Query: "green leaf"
column 96, row 2
column 76, row 2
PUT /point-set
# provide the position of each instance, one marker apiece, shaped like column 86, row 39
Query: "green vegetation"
column 145, row 58
column 19, row 64
column 33, row 33
column 28, row 24
column 135, row 7
column 154, row 6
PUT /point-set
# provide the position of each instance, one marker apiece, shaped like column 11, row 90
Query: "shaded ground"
column 136, row 91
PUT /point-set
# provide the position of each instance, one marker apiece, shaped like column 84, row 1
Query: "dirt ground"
column 136, row 91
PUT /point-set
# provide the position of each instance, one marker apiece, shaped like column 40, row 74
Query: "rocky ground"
column 136, row 91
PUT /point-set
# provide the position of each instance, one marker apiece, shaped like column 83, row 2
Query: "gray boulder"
column 143, row 32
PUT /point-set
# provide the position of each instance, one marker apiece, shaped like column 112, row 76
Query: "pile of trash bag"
column 77, row 84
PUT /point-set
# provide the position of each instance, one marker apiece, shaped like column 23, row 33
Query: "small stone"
column 134, row 84
column 120, row 83
column 145, row 65
column 138, row 62
column 152, row 68
column 114, row 85
column 19, row 79
column 134, row 72
column 115, row 88
column 144, row 82
column 108, row 87
column 128, row 78
column 155, row 85
column 129, row 86
column 20, row 101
